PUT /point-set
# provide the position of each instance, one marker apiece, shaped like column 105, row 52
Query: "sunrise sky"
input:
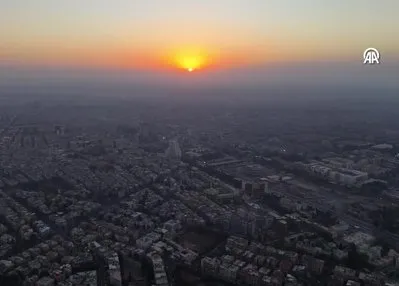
column 173, row 34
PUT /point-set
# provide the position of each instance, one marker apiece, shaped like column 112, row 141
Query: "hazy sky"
column 143, row 33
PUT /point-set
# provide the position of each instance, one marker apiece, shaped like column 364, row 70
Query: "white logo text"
column 371, row 56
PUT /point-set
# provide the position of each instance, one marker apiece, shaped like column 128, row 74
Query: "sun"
column 190, row 61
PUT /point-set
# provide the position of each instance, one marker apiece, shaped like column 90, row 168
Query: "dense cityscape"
column 164, row 192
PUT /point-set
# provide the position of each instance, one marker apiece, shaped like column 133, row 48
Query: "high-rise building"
column 173, row 151
column 161, row 278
